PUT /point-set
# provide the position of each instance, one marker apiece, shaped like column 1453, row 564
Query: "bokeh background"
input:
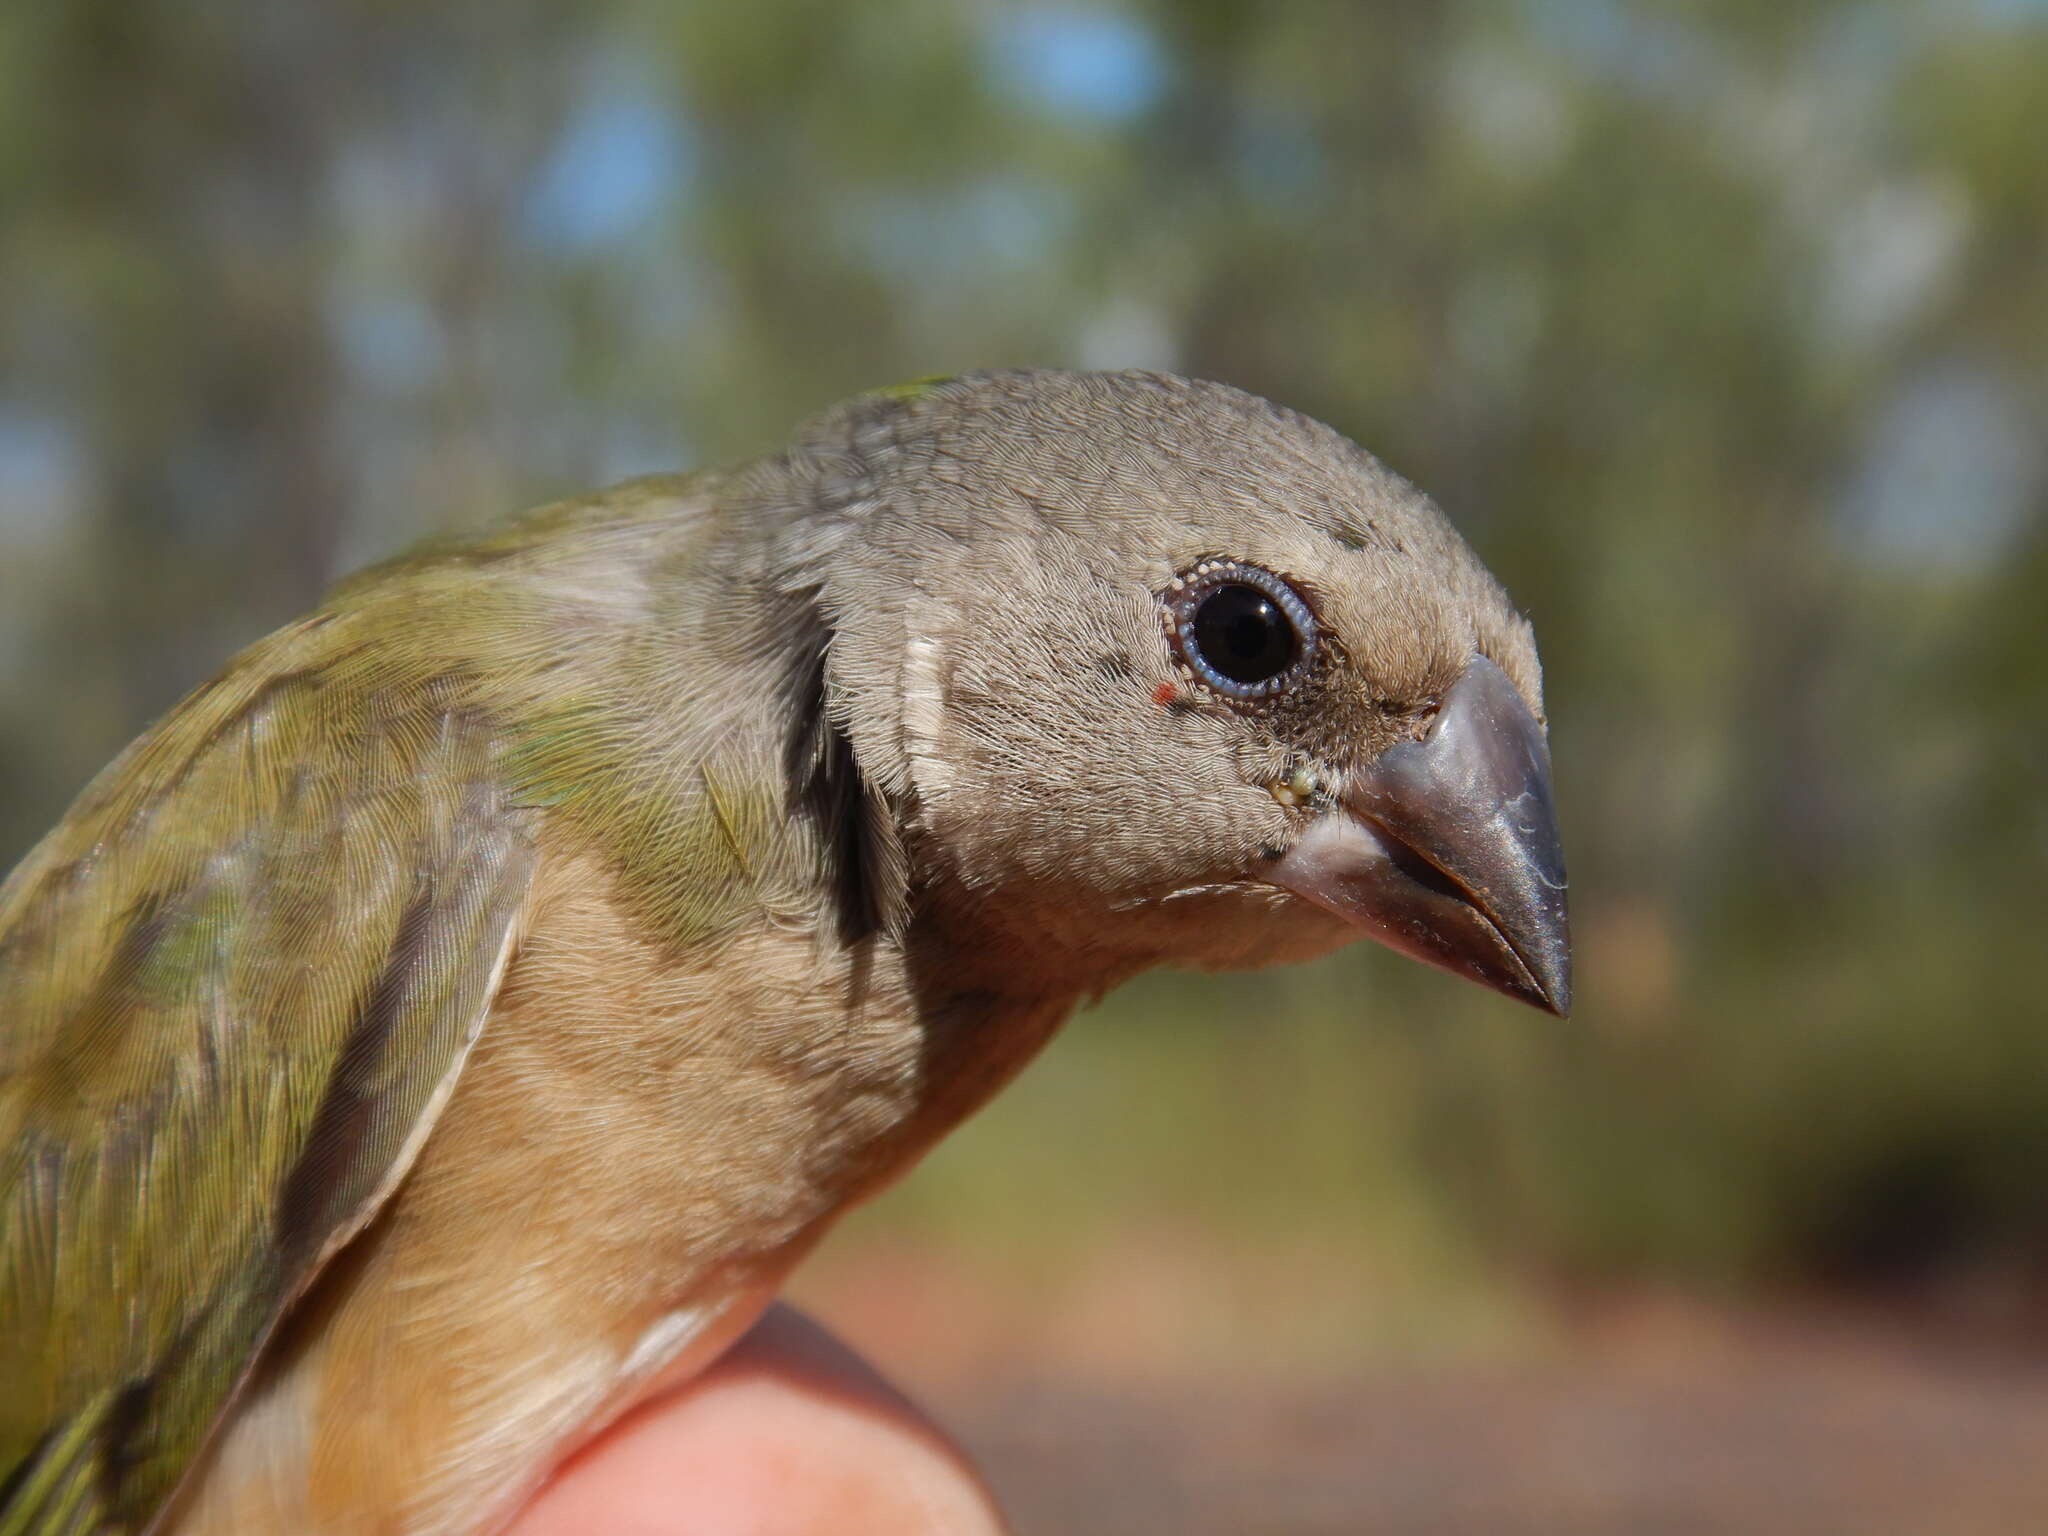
column 1720, row 326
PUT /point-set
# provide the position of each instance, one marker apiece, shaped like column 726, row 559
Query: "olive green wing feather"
column 236, row 984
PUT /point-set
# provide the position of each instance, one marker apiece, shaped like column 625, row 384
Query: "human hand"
column 789, row 1433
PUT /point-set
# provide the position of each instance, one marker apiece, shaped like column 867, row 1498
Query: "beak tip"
column 1554, row 982
column 1546, row 986
column 1544, row 949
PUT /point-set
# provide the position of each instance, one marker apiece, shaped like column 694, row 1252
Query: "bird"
column 450, row 1024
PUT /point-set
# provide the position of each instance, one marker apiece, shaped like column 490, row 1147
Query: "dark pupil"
column 1243, row 634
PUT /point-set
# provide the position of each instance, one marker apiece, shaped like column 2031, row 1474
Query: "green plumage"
column 238, row 973
column 259, row 945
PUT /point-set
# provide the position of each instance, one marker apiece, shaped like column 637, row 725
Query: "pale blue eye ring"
column 1239, row 629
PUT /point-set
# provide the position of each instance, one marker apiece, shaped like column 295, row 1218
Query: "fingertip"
column 790, row 1432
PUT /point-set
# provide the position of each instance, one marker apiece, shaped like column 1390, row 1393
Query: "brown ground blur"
column 1632, row 1415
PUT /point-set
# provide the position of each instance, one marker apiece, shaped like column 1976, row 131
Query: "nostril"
column 1413, row 721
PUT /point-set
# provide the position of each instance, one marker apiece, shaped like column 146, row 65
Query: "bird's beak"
column 1446, row 848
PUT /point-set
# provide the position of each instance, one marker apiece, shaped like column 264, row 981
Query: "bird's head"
column 1154, row 671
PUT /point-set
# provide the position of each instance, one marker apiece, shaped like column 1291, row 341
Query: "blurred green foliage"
column 1721, row 328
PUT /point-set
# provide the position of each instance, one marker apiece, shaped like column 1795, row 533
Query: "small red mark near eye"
column 1163, row 694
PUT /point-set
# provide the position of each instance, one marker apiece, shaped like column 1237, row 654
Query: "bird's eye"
column 1242, row 630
